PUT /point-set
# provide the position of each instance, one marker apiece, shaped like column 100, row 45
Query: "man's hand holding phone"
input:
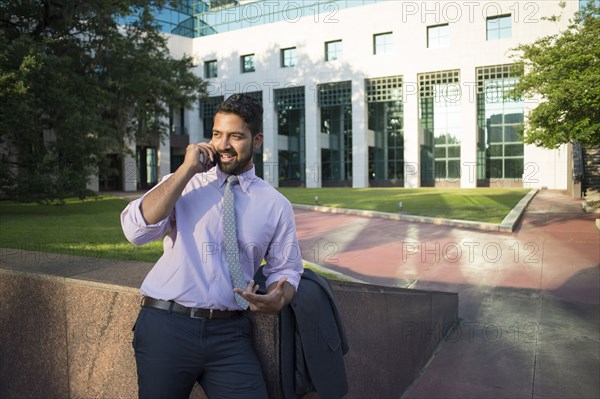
column 200, row 157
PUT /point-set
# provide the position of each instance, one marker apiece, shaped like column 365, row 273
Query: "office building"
column 366, row 93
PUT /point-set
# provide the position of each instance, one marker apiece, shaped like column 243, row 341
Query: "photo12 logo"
column 471, row 11
column 471, row 252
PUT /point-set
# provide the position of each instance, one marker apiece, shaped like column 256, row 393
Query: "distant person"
column 192, row 325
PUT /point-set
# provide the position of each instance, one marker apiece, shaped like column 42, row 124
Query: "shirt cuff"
column 292, row 277
column 138, row 218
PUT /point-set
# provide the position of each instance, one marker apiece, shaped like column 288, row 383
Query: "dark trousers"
column 174, row 351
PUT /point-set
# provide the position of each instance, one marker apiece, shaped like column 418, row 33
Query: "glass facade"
column 335, row 101
column 193, row 18
column 208, row 106
column 499, row 118
column 440, row 119
column 386, row 120
column 289, row 106
column 499, row 27
column 179, row 17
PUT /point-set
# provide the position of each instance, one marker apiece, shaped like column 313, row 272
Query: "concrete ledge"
column 507, row 225
column 66, row 333
column 510, row 221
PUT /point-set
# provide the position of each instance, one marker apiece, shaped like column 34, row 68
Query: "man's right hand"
column 199, row 157
column 159, row 203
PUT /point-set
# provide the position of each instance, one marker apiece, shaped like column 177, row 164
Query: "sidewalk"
column 529, row 301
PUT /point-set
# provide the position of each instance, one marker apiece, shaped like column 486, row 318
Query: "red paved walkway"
column 529, row 301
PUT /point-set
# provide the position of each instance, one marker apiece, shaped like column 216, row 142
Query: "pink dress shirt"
column 193, row 269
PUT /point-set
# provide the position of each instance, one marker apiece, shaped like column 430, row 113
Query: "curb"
column 506, row 226
column 513, row 217
column 338, row 275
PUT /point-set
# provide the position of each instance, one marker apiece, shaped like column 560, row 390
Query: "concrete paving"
column 529, row 301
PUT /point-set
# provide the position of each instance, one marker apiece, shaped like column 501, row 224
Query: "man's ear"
column 258, row 140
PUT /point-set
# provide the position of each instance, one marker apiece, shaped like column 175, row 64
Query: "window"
column 208, row 107
column 382, row 43
column 385, row 118
column 498, row 27
column 335, row 101
column 500, row 148
column 288, row 57
column 289, row 105
column 440, row 118
column 438, row 36
column 247, row 63
column 333, row 50
column 210, row 69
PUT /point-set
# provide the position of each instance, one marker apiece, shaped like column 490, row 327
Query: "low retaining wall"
column 65, row 331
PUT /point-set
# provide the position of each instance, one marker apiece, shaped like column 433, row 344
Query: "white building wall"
column 410, row 56
column 192, row 122
column 546, row 168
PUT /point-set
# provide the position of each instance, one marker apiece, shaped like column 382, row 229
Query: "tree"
column 564, row 69
column 76, row 82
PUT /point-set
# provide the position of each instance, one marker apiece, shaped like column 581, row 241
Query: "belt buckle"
column 193, row 314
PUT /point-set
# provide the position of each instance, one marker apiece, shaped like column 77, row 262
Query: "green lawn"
column 92, row 227
column 477, row 204
column 81, row 228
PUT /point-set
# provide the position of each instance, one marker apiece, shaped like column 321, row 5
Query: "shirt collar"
column 245, row 179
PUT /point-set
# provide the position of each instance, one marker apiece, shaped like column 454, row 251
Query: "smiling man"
column 192, row 326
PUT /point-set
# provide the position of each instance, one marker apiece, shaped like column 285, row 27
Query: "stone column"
column 412, row 132
column 313, row 137
column 192, row 122
column 468, row 139
column 360, row 148
column 270, row 140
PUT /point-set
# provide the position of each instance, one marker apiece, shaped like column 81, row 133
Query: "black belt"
column 194, row 313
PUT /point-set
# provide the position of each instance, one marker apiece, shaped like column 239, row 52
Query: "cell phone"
column 207, row 162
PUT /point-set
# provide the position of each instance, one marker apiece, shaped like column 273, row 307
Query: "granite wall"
column 65, row 331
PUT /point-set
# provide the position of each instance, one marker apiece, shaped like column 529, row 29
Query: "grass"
column 80, row 228
column 92, row 227
column 477, row 204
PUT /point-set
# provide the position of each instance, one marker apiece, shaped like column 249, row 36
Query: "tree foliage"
column 564, row 70
column 76, row 82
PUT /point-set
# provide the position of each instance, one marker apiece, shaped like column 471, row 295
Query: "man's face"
column 234, row 143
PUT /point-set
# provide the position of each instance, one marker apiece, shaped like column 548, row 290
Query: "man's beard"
column 239, row 165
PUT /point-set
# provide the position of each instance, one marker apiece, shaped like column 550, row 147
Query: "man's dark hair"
column 246, row 107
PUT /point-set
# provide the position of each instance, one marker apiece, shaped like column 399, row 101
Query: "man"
column 191, row 326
